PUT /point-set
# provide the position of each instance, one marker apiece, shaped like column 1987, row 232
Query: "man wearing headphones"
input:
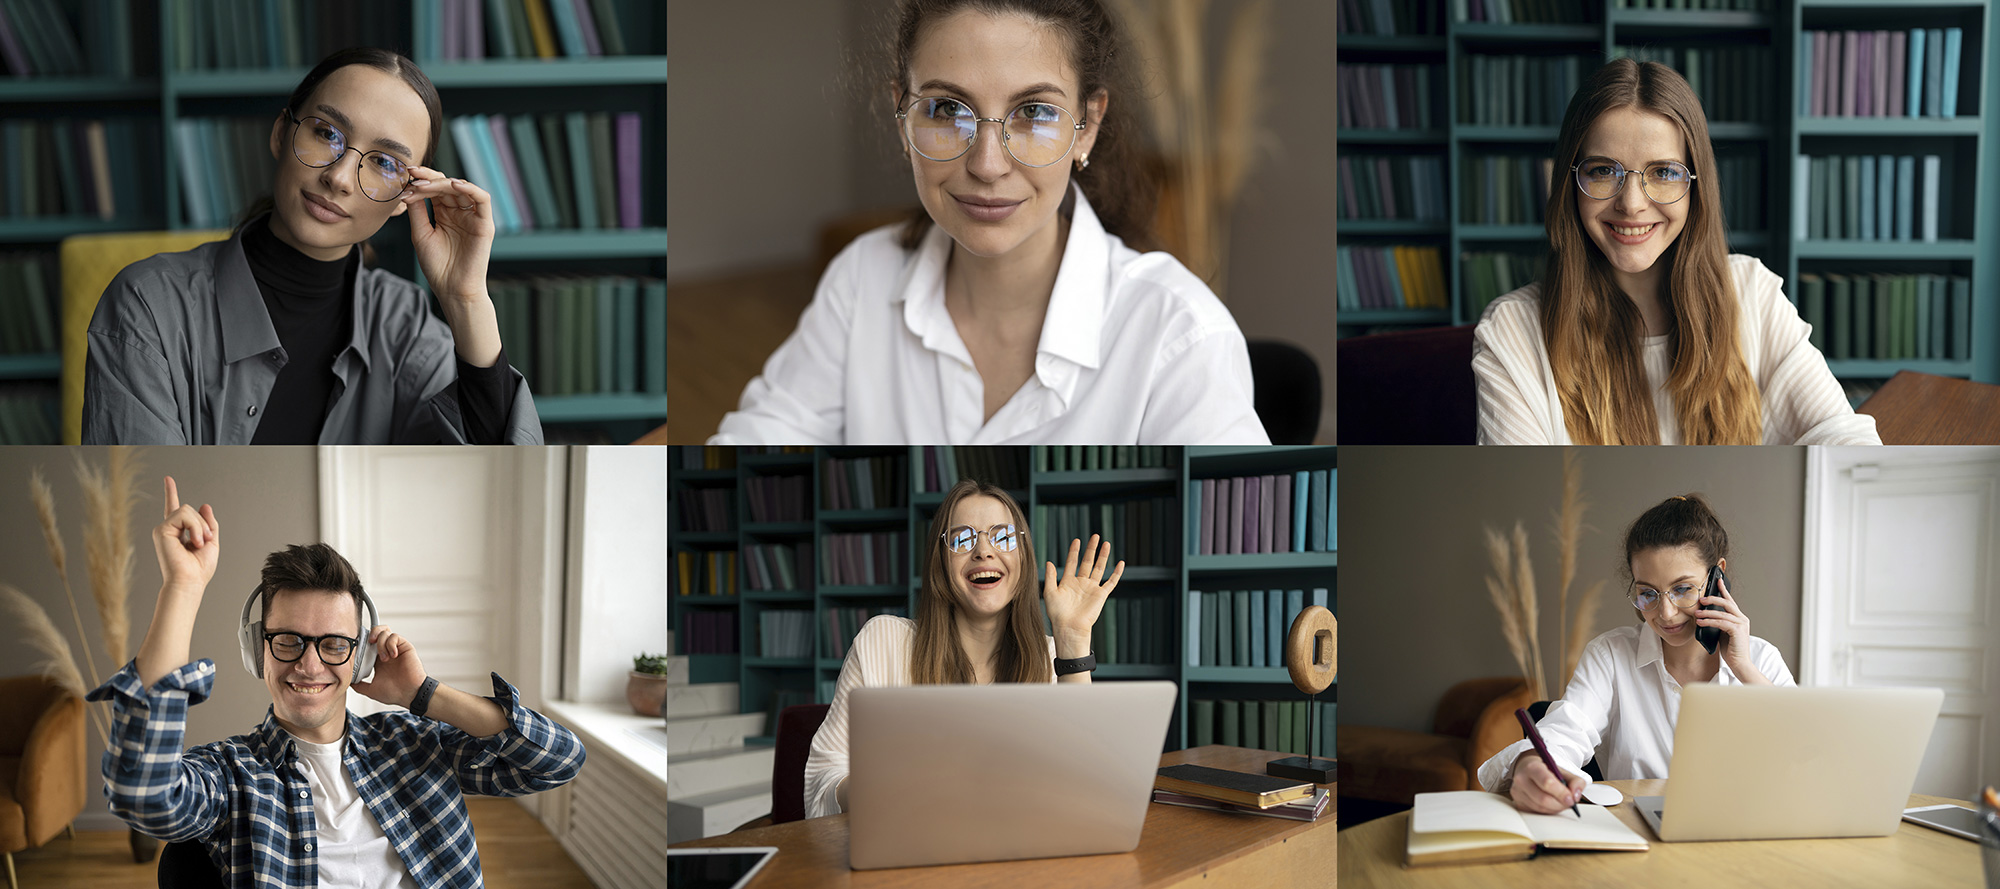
column 315, row 796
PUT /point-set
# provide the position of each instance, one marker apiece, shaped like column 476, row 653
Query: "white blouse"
column 1620, row 707
column 1135, row 350
column 879, row 657
column 1803, row 403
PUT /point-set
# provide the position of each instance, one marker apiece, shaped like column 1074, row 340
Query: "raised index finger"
column 173, row 498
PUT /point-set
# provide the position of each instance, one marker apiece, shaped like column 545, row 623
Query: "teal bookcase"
column 1773, row 133
column 160, row 93
column 1164, row 586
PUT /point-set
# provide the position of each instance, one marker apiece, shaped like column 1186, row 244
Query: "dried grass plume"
column 108, row 497
column 40, row 635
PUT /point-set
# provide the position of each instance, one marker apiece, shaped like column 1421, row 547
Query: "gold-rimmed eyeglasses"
column 1602, row 178
column 963, row 538
column 943, row 129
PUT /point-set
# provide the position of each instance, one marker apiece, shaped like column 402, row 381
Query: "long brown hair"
column 1023, row 652
column 1592, row 330
column 1120, row 189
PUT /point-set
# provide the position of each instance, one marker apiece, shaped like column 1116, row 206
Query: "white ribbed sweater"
column 1803, row 403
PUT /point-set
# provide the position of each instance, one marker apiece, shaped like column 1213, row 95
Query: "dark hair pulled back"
column 1681, row 520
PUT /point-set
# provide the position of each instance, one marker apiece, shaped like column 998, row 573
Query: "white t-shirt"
column 1620, row 707
column 1135, row 350
column 1803, row 403
column 879, row 657
column 352, row 850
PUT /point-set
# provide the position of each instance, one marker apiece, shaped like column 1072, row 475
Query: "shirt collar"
column 1072, row 332
column 273, row 744
column 1648, row 649
column 246, row 323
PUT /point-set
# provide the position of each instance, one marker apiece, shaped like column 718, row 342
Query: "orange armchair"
column 42, row 775
column 1475, row 719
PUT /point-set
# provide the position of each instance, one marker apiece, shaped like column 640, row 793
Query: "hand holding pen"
column 1538, row 783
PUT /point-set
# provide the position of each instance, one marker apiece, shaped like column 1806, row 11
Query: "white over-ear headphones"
column 250, row 637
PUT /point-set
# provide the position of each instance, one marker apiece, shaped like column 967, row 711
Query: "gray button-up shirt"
column 182, row 351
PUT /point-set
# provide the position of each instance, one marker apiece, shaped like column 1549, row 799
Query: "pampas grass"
column 1511, row 587
column 1568, row 529
column 42, row 637
column 108, row 497
column 45, row 512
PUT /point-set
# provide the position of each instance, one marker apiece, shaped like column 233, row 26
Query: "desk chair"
column 1539, row 709
column 43, row 783
column 89, row 262
column 1474, row 720
column 1288, row 391
column 796, row 727
column 186, row 865
column 1409, row 387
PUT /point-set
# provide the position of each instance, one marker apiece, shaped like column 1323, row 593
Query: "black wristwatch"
column 1085, row 664
column 422, row 701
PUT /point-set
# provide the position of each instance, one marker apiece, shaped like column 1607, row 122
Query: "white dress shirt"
column 879, row 658
column 1803, row 403
column 1620, row 707
column 1135, row 350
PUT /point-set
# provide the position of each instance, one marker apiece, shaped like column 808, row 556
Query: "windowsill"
column 615, row 729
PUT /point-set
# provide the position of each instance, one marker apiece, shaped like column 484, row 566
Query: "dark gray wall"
column 1413, row 604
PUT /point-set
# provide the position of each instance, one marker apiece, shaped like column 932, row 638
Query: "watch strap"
column 1085, row 664
column 421, row 704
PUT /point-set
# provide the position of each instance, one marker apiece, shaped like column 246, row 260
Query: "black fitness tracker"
column 1085, row 664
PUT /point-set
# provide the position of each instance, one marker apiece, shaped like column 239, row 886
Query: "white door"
column 1901, row 589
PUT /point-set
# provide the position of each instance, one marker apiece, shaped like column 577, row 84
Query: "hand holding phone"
column 1709, row 637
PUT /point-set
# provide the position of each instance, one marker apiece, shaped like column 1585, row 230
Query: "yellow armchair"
column 89, row 262
column 43, row 781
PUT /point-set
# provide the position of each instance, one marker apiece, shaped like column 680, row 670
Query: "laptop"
column 945, row 774
column 1764, row 763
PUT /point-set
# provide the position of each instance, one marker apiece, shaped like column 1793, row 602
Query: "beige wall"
column 737, row 205
column 264, row 498
column 1413, row 598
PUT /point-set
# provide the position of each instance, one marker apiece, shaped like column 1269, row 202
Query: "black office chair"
column 1288, row 391
column 1540, row 708
column 186, row 865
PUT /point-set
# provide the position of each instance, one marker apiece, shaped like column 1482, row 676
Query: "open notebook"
column 1471, row 826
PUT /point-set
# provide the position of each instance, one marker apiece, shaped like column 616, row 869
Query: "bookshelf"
column 160, row 93
column 1042, row 488
column 1772, row 134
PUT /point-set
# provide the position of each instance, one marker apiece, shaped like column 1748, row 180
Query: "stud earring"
column 1082, row 162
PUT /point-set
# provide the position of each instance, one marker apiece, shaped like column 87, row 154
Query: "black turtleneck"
column 311, row 304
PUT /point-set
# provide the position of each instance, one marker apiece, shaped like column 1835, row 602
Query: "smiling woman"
column 1017, row 307
column 282, row 334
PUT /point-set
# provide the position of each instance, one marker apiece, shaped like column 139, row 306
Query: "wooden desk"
column 1178, row 847
column 1918, row 408
column 1372, row 855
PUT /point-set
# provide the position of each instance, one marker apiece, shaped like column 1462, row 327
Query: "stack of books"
column 39, row 39
column 1710, row 5
column 778, row 498
column 1740, row 177
column 1140, row 531
column 575, row 335
column 1380, row 187
column 1221, row 790
column 1278, row 726
column 28, row 414
column 839, row 626
column 1518, row 91
column 1733, row 83
column 709, row 457
column 1288, row 513
column 1085, row 458
column 1244, row 628
column 1388, row 18
column 785, row 633
column 75, row 167
column 1518, row 12
column 772, row 566
column 1385, row 97
column 28, row 312
column 705, row 573
column 1393, row 277
column 709, row 631
column 1880, row 73
column 1870, row 198
column 1491, row 275
column 1888, row 317
column 1133, row 630
column 944, row 465
column 267, row 34
column 870, row 559
column 518, row 29
column 1504, row 190
column 708, row 509
column 863, row 482
column 578, row 171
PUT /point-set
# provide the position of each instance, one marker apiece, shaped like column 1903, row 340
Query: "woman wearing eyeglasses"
column 281, row 334
column 1644, row 328
column 1621, row 703
column 978, row 621
column 1017, row 307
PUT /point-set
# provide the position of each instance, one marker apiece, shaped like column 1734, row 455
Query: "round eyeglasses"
column 333, row 650
column 317, row 143
column 1603, row 178
column 964, row 537
column 942, row 129
column 1683, row 595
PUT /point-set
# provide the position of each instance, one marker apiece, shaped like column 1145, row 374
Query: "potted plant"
column 646, row 690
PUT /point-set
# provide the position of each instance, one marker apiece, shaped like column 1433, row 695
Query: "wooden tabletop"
column 1372, row 854
column 1918, row 408
column 1177, row 844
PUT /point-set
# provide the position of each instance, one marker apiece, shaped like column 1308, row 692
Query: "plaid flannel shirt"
column 247, row 799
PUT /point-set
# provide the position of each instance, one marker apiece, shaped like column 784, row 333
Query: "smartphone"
column 1709, row 637
column 1954, row 820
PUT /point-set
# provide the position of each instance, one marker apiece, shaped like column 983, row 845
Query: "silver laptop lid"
column 942, row 774
column 1753, row 763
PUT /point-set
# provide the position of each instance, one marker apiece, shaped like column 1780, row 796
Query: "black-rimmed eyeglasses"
column 333, row 650
column 317, row 143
